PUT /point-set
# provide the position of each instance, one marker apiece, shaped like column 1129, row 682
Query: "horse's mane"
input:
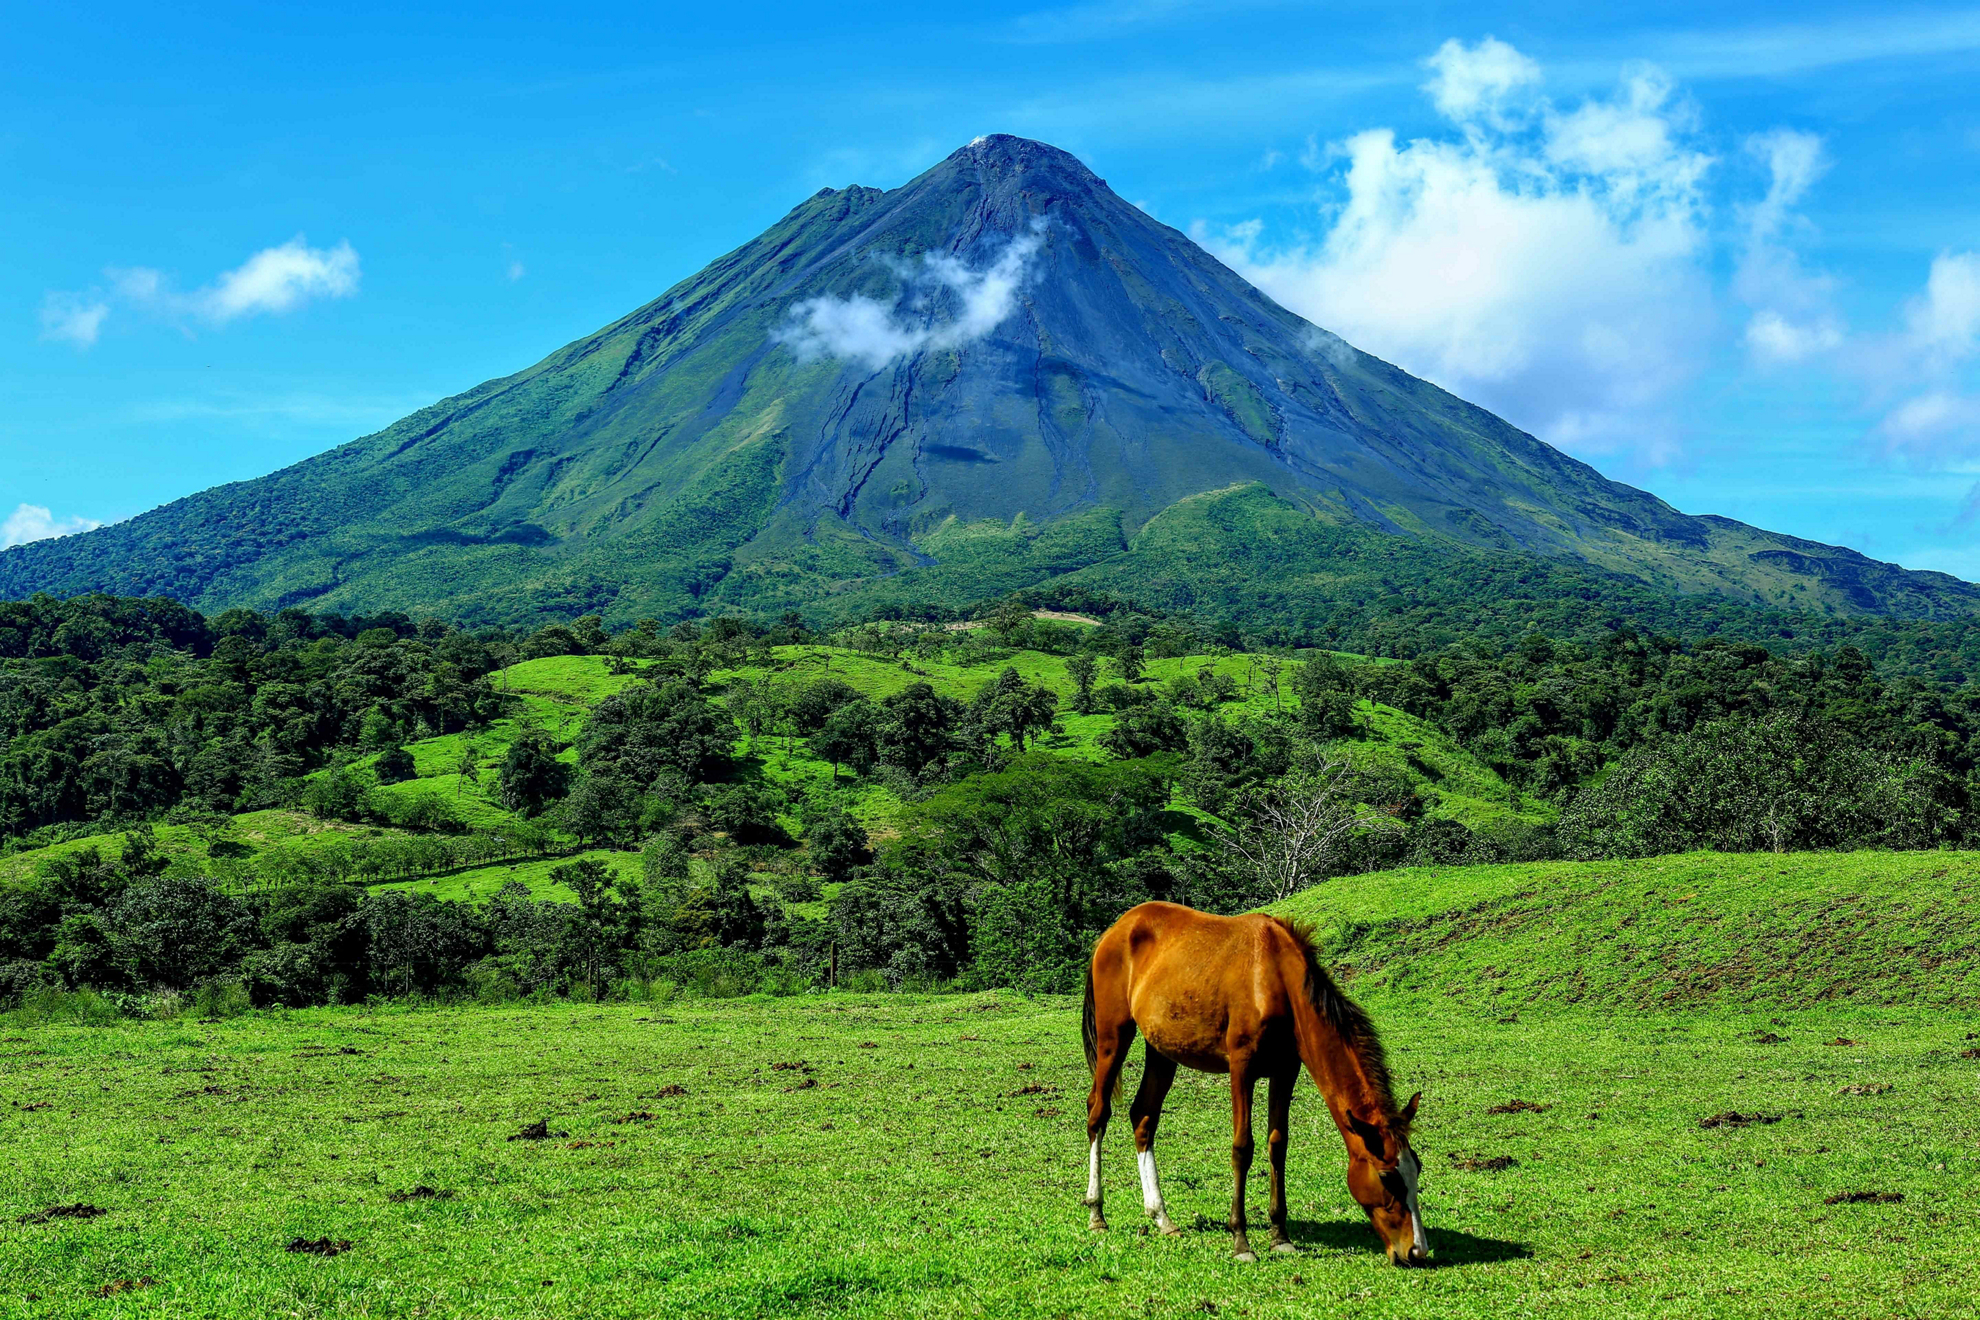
column 1345, row 1016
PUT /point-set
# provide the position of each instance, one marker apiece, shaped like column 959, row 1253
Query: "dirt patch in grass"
column 638, row 1116
column 1482, row 1163
column 804, row 1085
column 670, row 1091
column 1733, row 1118
column 798, row 1065
column 116, row 1286
column 1863, row 1198
column 1768, row 1038
column 538, row 1131
column 322, row 1246
column 1519, row 1107
column 79, row 1210
column 419, row 1193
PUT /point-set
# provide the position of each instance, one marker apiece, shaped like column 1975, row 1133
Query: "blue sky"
column 1724, row 252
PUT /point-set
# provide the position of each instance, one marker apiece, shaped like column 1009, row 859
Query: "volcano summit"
column 997, row 375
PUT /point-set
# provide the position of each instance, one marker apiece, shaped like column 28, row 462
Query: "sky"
column 1729, row 253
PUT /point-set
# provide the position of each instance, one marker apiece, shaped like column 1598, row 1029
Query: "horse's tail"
column 1089, row 1025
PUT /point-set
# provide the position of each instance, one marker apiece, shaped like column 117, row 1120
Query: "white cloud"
column 1793, row 318
column 276, row 279
column 279, row 279
column 32, row 522
column 1472, row 82
column 1548, row 264
column 1943, row 324
column 1928, row 421
column 863, row 330
column 74, row 317
column 1940, row 421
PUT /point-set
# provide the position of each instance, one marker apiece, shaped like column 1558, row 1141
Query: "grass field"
column 922, row 1156
column 925, row 1159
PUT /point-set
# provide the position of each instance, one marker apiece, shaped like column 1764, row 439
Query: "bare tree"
column 1291, row 835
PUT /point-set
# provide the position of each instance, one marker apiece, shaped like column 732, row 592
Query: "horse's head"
column 1382, row 1174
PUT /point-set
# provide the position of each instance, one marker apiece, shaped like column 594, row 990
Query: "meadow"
column 1624, row 1126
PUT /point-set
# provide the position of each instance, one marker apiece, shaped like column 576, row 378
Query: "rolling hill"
column 998, row 375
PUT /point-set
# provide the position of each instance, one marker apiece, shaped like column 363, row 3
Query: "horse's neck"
column 1335, row 1065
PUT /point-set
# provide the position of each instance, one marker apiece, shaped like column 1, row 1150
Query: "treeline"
column 1009, row 860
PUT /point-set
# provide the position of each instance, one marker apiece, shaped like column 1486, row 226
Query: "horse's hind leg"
column 1278, row 1122
column 1110, row 1057
column 1241, row 1084
column 1158, row 1073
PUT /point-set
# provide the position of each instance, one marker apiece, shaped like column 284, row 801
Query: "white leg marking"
column 1151, row 1185
column 1412, row 1168
column 1151, row 1190
column 1093, row 1173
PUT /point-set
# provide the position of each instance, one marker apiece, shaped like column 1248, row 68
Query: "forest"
column 728, row 806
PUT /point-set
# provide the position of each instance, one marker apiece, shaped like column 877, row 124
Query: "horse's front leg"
column 1278, row 1122
column 1241, row 1084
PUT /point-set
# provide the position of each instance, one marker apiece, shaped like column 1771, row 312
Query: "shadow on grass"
column 1448, row 1246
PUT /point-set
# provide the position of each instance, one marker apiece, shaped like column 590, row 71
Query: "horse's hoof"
column 1284, row 1249
column 1169, row 1230
column 1246, row 1257
column 1097, row 1224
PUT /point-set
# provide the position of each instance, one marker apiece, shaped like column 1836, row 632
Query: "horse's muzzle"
column 1416, row 1258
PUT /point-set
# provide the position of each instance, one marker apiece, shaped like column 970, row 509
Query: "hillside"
column 1783, row 930
column 998, row 375
column 556, row 693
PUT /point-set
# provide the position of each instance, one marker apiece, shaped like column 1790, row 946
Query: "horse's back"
column 1190, row 979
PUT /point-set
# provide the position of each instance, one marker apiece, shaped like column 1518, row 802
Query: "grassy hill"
column 555, row 693
column 1664, row 933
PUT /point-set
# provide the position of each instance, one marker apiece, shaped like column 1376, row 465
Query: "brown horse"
column 1245, row 996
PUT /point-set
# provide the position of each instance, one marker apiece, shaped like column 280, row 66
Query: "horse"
column 1245, row 996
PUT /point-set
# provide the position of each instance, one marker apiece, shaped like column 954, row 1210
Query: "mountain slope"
column 1002, row 348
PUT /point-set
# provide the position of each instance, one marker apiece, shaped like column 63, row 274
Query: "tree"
column 918, row 728
column 647, row 730
column 847, row 737
column 609, row 917
column 532, row 778
column 838, row 845
column 814, row 703
column 1010, row 706
column 1082, row 670
column 1291, row 835
column 601, row 808
column 467, row 765
column 1009, row 618
column 394, row 766
column 1144, row 731
column 1130, row 663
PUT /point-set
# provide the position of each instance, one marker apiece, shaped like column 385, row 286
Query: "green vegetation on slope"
column 1661, row 934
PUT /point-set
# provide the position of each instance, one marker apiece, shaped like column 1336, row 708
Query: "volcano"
column 998, row 375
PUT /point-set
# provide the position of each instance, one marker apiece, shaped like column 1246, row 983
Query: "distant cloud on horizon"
column 34, row 522
column 273, row 280
column 1557, row 265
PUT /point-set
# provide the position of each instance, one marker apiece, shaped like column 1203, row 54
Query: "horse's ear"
column 1409, row 1110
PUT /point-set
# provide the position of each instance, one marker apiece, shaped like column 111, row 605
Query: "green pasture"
column 923, row 1156
column 1696, row 1086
